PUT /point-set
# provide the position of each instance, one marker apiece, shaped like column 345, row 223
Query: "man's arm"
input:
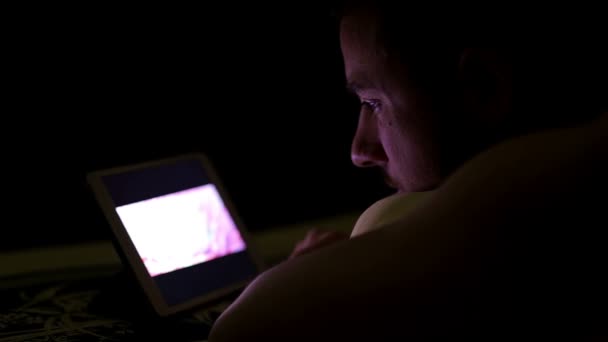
column 414, row 275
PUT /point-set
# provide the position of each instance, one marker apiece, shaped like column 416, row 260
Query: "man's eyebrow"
column 357, row 83
column 353, row 86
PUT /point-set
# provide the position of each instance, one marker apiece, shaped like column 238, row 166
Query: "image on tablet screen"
column 181, row 229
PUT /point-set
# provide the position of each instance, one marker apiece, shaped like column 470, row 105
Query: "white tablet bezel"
column 129, row 251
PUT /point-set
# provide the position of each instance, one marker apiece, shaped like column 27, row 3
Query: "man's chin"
column 391, row 183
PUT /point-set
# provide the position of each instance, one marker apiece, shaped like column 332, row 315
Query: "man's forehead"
column 358, row 31
column 362, row 55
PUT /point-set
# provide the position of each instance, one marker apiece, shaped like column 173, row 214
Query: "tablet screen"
column 181, row 228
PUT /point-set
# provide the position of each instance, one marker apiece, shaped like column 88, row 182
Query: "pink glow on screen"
column 181, row 229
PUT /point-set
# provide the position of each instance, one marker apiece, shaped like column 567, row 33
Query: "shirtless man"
column 510, row 242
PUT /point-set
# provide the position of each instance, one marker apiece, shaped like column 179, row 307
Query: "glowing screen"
column 181, row 229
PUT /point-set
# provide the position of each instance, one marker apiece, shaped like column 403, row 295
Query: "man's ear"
column 485, row 75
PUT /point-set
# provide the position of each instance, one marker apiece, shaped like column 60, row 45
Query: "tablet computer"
column 176, row 228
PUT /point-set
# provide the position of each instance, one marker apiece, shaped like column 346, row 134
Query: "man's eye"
column 373, row 105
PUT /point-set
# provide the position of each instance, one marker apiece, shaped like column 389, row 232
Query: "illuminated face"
column 396, row 132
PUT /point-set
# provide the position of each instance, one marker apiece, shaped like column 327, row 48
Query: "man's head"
column 425, row 110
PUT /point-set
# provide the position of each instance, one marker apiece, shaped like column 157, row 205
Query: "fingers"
column 315, row 239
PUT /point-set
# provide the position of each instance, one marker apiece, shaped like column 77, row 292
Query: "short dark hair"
column 430, row 60
column 555, row 84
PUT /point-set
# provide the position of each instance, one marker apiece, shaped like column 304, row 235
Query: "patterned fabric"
column 62, row 312
column 57, row 312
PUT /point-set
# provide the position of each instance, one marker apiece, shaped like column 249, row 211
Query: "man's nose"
column 367, row 149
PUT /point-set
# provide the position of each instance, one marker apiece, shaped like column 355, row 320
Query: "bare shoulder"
column 540, row 161
column 438, row 270
column 520, row 181
column 527, row 219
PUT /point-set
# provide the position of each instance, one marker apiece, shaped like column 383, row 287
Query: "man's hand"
column 315, row 239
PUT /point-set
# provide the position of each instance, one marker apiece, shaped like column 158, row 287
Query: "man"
column 510, row 242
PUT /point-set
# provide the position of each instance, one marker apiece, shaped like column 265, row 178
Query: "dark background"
column 259, row 88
